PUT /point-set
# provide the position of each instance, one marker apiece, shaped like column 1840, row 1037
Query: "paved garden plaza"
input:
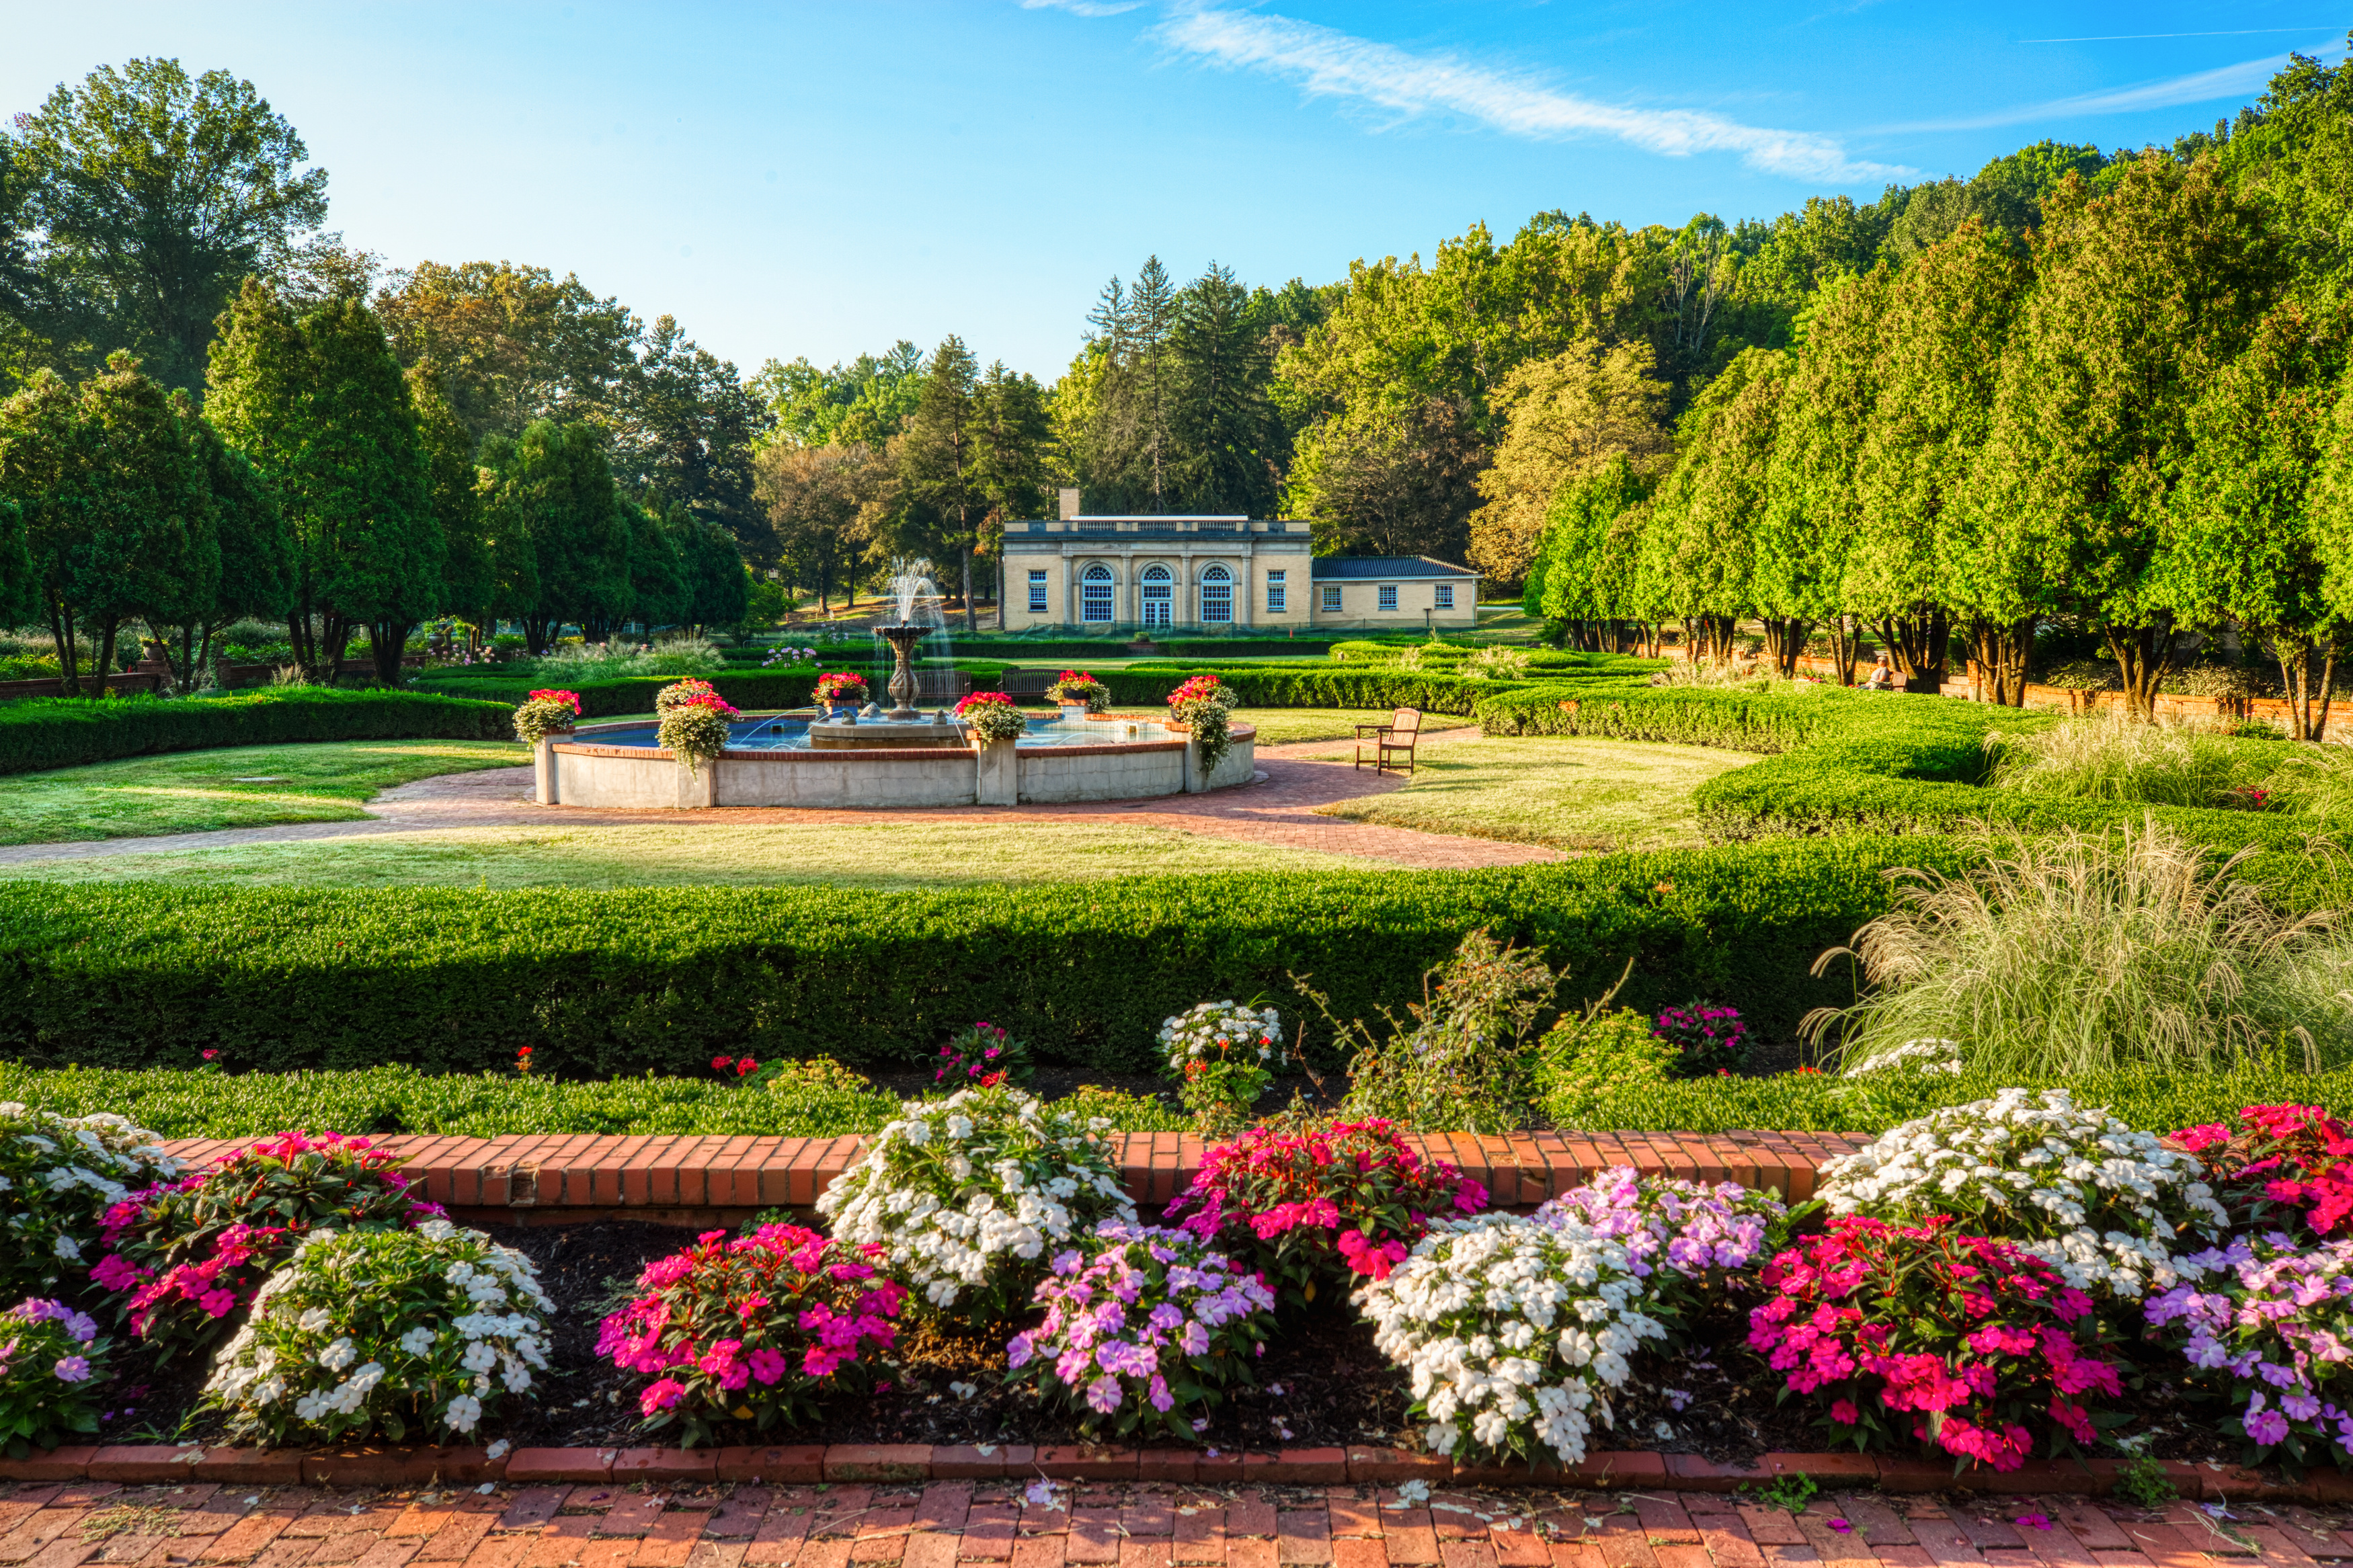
column 1637, row 897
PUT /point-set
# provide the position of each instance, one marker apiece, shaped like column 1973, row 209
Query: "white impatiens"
column 967, row 1193
column 1936, row 1058
column 401, row 1334
column 1514, row 1334
column 2114, row 1210
column 59, row 1175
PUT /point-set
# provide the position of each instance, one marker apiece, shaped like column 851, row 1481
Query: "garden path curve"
column 1279, row 807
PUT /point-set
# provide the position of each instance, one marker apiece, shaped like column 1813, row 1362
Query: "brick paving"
column 1006, row 1524
column 1279, row 809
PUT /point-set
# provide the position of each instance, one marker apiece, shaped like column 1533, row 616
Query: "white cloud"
column 2243, row 80
column 1334, row 64
column 1083, row 7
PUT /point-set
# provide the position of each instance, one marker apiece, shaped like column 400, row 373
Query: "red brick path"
column 676, row 1522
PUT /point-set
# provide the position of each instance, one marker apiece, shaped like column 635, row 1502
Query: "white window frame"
column 1389, row 596
column 1097, row 592
column 1331, row 599
column 1037, row 591
column 1158, row 595
column 1217, row 611
column 1443, row 596
column 1278, row 595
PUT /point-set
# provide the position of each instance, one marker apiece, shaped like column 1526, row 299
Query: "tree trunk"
column 2307, row 707
column 106, row 654
column 1917, row 644
column 1785, row 639
column 337, row 642
column 61, row 631
column 971, row 618
column 387, row 641
column 306, row 648
column 1999, row 648
column 1842, row 645
column 2144, row 656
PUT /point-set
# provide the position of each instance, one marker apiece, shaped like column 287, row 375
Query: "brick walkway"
column 1279, row 809
column 1133, row 1525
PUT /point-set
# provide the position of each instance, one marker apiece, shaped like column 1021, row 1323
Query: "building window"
column 1217, row 596
column 1037, row 593
column 1094, row 596
column 1159, row 596
column 1445, row 597
column 1331, row 598
column 1278, row 597
column 1388, row 596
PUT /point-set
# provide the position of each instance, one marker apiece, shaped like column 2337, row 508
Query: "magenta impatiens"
column 1972, row 1344
column 755, row 1327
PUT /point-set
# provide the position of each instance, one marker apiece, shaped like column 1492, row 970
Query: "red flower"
column 720, row 1064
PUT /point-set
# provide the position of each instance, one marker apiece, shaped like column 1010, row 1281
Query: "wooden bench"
column 1390, row 741
column 1026, row 682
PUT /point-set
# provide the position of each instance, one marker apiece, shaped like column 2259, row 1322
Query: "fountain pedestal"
column 902, row 640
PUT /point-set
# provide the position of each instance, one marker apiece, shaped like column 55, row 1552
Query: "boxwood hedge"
column 604, row 982
column 65, row 732
column 752, row 689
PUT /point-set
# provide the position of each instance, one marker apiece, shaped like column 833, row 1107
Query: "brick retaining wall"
column 560, row 1178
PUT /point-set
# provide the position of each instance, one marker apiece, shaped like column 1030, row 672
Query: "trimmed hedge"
column 1309, row 685
column 606, row 982
column 635, row 694
column 1029, row 650
column 66, row 732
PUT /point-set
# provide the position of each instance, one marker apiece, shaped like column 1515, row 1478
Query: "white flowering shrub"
column 420, row 1334
column 1934, row 1057
column 59, row 1175
column 1519, row 1331
column 968, row 1193
column 2113, row 1209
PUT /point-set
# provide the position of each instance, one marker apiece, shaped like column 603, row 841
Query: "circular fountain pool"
column 771, row 761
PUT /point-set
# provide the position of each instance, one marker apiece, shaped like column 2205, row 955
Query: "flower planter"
column 542, row 767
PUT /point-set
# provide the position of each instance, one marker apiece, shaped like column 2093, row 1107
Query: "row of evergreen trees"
column 2137, row 418
column 321, row 484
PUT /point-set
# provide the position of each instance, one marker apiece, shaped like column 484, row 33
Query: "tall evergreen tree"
column 1225, row 433
column 554, row 488
column 937, row 461
column 256, row 575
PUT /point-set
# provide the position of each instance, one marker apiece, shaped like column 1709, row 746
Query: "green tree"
column 1591, row 549
column 320, row 406
column 1565, row 415
column 256, row 559
column 937, row 464
column 2143, row 297
column 470, row 565
column 863, row 402
column 817, row 498
column 553, row 487
column 660, row 594
column 683, row 425
column 1228, row 440
column 1946, row 321
column 155, row 195
column 1704, row 516
column 719, row 583
column 506, row 344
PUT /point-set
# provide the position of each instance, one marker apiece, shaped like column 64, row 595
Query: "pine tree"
column 256, row 575
column 1224, row 431
column 935, row 461
column 553, row 489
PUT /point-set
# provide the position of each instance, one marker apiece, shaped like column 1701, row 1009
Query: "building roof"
column 1365, row 568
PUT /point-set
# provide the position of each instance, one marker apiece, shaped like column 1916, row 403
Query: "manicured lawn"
column 1570, row 793
column 1284, row 726
column 193, row 791
column 884, row 853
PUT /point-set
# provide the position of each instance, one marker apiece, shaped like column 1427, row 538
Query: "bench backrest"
column 1406, row 722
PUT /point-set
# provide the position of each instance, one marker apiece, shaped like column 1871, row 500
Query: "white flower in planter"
column 2114, row 1210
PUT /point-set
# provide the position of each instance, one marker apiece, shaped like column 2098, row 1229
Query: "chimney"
column 1069, row 505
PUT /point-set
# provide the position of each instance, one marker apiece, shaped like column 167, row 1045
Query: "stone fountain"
column 904, row 724
column 902, row 639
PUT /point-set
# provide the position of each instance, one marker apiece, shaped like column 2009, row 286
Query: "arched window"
column 1217, row 596
column 1160, row 596
column 1095, row 595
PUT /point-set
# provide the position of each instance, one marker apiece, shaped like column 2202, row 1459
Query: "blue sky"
column 819, row 180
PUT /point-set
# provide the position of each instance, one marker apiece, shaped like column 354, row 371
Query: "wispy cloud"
column 1334, row 64
column 1084, row 8
column 2240, row 81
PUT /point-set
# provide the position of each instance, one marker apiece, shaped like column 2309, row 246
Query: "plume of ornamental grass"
column 2067, row 955
column 2110, row 757
column 2314, row 781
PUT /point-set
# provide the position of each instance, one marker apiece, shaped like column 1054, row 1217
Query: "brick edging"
column 545, row 1174
column 786, row 1464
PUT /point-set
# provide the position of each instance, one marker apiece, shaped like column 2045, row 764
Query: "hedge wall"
column 1308, row 686
column 1032, row 650
column 758, row 689
column 66, row 732
column 605, row 983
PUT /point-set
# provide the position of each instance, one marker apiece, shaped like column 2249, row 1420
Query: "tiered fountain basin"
column 772, row 759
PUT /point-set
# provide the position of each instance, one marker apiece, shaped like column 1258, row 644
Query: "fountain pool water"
column 790, row 733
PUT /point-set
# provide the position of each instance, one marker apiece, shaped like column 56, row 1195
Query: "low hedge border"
column 393, row 1467
column 607, row 983
column 66, row 733
column 635, row 694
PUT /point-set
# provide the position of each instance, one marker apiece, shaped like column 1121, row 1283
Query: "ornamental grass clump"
column 52, row 1363
column 2114, row 1210
column 1144, row 1329
column 968, row 1193
column 2062, row 955
column 1683, row 1240
column 545, row 713
column 2112, row 756
column 1306, row 1202
column 1968, row 1344
column 1223, row 1055
column 992, row 716
column 59, row 1176
column 1519, row 1331
column 423, row 1333
column 1464, row 1059
column 2270, row 1334
column 2279, row 1167
column 185, row 1258
column 759, row 1328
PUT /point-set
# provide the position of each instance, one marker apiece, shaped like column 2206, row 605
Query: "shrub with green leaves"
column 59, row 1176
column 1466, row 1060
column 68, row 732
column 422, row 1334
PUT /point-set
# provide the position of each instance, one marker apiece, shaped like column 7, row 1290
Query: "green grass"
column 242, row 786
column 892, row 852
column 1567, row 793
